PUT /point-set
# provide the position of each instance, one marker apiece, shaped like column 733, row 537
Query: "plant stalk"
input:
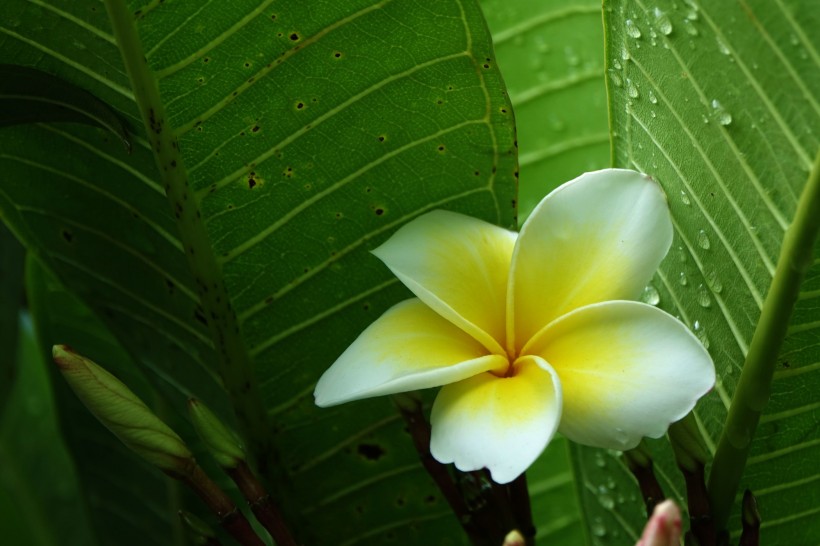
column 229, row 516
column 754, row 385
column 410, row 408
column 639, row 462
column 263, row 507
column 234, row 363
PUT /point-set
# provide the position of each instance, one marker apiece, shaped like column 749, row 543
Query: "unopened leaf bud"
column 123, row 413
column 221, row 442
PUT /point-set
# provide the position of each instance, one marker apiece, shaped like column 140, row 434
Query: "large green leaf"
column 11, row 296
column 551, row 56
column 38, row 481
column 308, row 136
column 718, row 102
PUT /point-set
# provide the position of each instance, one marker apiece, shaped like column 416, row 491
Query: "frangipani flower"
column 532, row 333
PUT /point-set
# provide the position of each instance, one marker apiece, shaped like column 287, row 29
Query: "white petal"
column 627, row 370
column 499, row 423
column 597, row 238
column 457, row 265
column 409, row 347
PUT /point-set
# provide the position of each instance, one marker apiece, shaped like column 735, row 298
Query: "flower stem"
column 229, row 516
column 263, row 507
column 519, row 495
column 410, row 408
column 754, row 385
column 691, row 456
column 751, row 521
column 640, row 464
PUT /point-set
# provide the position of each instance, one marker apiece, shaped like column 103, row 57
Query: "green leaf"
column 11, row 298
column 28, row 95
column 38, row 481
column 550, row 56
column 718, row 102
column 307, row 137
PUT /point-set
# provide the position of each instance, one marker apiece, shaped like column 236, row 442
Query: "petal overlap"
column 627, row 370
column 498, row 423
column 599, row 237
column 457, row 265
column 409, row 347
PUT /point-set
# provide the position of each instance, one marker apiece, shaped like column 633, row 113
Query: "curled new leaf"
column 123, row 413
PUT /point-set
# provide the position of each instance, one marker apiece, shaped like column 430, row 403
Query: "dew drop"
column 625, row 55
column 662, row 22
column 692, row 15
column 652, row 98
column 700, row 332
column 632, row 89
column 632, row 29
column 703, row 297
column 722, row 47
column 615, row 77
column 721, row 115
column 572, row 57
column 597, row 528
column 616, row 64
column 606, row 500
column 703, row 240
column 650, row 295
column 683, row 279
column 557, row 124
column 599, row 460
column 690, row 28
column 713, row 282
column 685, row 198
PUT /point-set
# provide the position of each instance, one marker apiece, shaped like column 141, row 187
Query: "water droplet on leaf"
column 720, row 114
column 722, row 47
column 662, row 22
column 703, row 297
column 632, row 29
column 685, row 198
column 700, row 332
column 713, row 282
column 703, row 240
column 690, row 28
column 650, row 295
column 632, row 89
column 597, row 528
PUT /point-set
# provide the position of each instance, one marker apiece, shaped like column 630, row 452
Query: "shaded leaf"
column 38, row 482
column 28, row 95
column 11, row 299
